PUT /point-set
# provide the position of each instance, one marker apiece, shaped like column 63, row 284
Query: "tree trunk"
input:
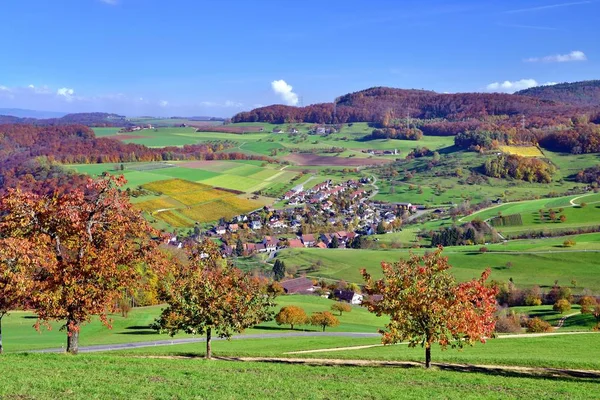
column 292, row 326
column 208, row 344
column 1, row 348
column 427, row 356
column 72, row 337
column 323, row 328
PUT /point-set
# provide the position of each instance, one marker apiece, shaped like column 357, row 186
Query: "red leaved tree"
column 426, row 305
column 92, row 240
column 17, row 266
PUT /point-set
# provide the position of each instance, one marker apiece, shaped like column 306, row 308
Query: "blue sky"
column 189, row 57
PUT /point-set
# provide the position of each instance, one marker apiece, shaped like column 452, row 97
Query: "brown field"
column 523, row 151
column 172, row 187
column 126, row 137
column 200, row 196
column 226, row 208
column 316, row 160
column 173, row 218
column 156, row 204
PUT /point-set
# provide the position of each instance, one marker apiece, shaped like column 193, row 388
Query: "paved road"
column 125, row 346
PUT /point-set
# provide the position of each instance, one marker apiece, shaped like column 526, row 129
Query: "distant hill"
column 23, row 113
column 88, row 119
column 372, row 104
column 585, row 93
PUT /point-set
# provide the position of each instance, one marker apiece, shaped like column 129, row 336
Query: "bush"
column 588, row 304
column 536, row 325
column 562, row 306
column 569, row 243
column 508, row 323
column 483, row 249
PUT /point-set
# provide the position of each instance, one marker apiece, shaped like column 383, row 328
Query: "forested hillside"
column 586, row 93
column 88, row 119
column 371, row 105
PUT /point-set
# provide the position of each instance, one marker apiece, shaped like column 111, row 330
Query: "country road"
column 168, row 342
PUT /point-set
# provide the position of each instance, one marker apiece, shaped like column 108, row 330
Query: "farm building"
column 349, row 296
column 297, row 285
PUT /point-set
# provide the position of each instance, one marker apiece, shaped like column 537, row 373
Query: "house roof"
column 296, row 285
column 308, row 238
column 346, row 295
column 296, row 244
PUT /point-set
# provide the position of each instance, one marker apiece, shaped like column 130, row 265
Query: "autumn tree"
column 17, row 266
column 561, row 306
column 291, row 315
column 91, row 239
column 341, row 307
column 591, row 305
column 324, row 319
column 426, row 305
column 208, row 295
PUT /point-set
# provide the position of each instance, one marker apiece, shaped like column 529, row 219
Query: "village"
column 327, row 215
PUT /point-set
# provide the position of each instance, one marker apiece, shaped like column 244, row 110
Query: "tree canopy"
column 427, row 306
column 206, row 294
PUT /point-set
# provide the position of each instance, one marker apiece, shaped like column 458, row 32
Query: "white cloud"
column 572, row 56
column 230, row 103
column 4, row 89
column 163, row 103
column 66, row 93
column 110, row 2
column 284, row 90
column 515, row 86
column 548, row 7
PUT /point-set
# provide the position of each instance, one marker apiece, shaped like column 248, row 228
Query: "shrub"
column 536, row 325
column 569, row 243
column 483, row 249
column 587, row 303
column 562, row 306
column 508, row 323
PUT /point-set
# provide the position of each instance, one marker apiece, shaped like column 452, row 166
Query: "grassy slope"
column 527, row 269
column 94, row 376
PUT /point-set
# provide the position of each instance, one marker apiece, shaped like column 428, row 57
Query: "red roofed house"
column 296, row 244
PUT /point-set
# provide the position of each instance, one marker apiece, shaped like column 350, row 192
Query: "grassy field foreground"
column 110, row 377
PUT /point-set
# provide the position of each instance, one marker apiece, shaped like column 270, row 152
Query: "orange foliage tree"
column 324, row 319
column 426, row 305
column 87, row 244
column 291, row 315
column 206, row 294
column 17, row 264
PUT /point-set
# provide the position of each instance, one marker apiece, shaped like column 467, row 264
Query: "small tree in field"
column 91, row 240
column 278, row 270
column 207, row 295
column 324, row 319
column 591, row 305
column 427, row 306
column 341, row 307
column 291, row 315
column 562, row 306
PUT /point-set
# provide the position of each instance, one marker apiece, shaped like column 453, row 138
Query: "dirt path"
column 561, row 321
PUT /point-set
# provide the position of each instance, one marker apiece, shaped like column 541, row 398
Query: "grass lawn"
column 109, row 377
column 560, row 351
column 19, row 334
